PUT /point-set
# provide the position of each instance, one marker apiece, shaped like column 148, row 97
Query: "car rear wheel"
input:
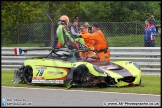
column 28, row 74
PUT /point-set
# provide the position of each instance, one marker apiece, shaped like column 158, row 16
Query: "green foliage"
column 27, row 44
column 134, row 10
column 22, row 12
column 94, row 11
column 58, row 8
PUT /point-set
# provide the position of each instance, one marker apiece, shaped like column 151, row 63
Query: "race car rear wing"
column 52, row 52
column 19, row 51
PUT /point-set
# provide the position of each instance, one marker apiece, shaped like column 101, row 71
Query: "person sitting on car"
column 64, row 37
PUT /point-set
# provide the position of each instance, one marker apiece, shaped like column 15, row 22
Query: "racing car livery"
column 63, row 66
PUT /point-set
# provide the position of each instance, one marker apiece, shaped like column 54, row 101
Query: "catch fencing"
column 118, row 34
column 151, row 63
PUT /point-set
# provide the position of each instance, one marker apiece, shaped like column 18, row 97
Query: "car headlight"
column 99, row 70
column 137, row 66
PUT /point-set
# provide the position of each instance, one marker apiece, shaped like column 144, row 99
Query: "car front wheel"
column 28, row 74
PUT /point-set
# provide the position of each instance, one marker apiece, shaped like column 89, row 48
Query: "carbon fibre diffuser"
column 18, row 77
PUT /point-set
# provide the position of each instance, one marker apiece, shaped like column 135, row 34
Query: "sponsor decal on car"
column 48, row 81
column 55, row 73
column 107, row 67
column 74, row 65
column 41, row 68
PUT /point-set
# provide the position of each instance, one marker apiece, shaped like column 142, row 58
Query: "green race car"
column 65, row 67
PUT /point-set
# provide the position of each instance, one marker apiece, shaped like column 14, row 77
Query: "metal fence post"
column 52, row 33
column 130, row 40
column 18, row 34
column 136, row 33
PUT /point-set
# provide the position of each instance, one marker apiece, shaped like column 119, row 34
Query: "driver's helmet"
column 63, row 20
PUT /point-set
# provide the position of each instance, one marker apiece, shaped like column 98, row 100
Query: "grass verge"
column 152, row 85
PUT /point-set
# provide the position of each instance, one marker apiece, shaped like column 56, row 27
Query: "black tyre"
column 28, row 75
column 86, row 79
column 78, row 72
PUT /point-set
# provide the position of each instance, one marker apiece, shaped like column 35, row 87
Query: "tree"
column 58, row 8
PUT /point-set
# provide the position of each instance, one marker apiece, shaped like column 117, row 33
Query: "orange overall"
column 100, row 44
column 88, row 43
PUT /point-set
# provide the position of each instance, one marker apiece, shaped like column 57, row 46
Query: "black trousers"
column 150, row 43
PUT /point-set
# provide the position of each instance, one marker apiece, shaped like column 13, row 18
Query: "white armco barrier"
column 136, row 54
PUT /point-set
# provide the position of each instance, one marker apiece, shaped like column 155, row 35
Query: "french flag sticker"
column 17, row 51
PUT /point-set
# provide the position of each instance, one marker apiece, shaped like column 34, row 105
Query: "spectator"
column 76, row 18
column 153, row 20
column 100, row 45
column 74, row 29
column 149, row 33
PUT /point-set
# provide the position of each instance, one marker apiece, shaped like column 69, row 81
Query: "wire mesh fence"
column 118, row 34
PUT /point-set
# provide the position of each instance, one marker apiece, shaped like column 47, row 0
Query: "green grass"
column 130, row 41
column 24, row 45
column 152, row 85
column 114, row 41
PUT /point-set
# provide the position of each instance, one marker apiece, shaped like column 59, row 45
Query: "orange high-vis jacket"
column 88, row 42
column 100, row 43
column 99, row 38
